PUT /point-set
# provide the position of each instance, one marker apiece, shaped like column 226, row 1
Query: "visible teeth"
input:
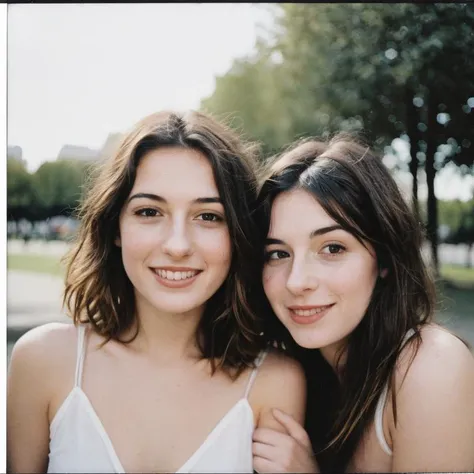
column 169, row 275
column 308, row 312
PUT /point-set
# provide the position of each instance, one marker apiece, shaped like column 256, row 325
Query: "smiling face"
column 318, row 277
column 175, row 241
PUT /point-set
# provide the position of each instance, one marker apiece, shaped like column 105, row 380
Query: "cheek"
column 274, row 280
column 136, row 241
column 356, row 282
column 215, row 247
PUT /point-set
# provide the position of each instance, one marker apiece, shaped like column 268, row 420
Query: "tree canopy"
column 384, row 70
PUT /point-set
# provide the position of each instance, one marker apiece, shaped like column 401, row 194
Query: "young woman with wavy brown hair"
column 159, row 370
column 388, row 389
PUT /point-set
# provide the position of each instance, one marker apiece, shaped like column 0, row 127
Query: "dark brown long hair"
column 98, row 290
column 354, row 187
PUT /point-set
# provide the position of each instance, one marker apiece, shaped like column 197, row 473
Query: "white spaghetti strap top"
column 81, row 331
column 79, row 442
column 258, row 362
column 379, row 410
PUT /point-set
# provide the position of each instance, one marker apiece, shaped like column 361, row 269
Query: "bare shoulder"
column 279, row 370
column 441, row 358
column 45, row 350
column 435, row 414
column 280, row 383
column 48, row 340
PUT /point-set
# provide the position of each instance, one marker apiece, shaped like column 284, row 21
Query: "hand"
column 283, row 452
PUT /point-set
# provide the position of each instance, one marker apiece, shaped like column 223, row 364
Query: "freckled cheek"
column 215, row 248
column 274, row 282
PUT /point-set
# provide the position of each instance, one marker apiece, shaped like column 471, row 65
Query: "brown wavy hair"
column 354, row 187
column 99, row 292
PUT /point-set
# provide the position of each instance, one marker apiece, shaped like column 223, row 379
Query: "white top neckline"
column 76, row 424
column 108, row 442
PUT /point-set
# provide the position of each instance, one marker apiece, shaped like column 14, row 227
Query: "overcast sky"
column 77, row 72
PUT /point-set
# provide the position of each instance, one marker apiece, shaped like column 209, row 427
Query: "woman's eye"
column 210, row 217
column 147, row 212
column 333, row 249
column 276, row 255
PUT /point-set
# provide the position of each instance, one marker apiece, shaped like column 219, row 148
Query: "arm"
column 28, row 397
column 280, row 384
column 280, row 442
column 435, row 428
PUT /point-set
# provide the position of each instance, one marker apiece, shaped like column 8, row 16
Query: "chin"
column 177, row 307
column 308, row 341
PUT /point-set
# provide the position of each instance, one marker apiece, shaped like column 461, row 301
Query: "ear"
column 383, row 272
column 118, row 241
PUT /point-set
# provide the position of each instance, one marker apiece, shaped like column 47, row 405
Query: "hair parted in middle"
column 98, row 290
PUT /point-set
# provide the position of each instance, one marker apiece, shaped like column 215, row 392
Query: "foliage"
column 54, row 189
column 384, row 70
column 20, row 190
column 450, row 213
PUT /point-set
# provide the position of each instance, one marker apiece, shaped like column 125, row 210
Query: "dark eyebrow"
column 315, row 233
column 325, row 230
column 155, row 197
column 274, row 241
column 208, row 200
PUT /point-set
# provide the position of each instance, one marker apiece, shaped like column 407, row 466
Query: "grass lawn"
column 458, row 274
column 35, row 263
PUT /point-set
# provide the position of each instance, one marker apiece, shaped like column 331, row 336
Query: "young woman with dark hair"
column 388, row 389
column 159, row 371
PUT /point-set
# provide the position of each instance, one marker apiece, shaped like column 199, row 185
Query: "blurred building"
column 15, row 152
column 74, row 152
column 111, row 144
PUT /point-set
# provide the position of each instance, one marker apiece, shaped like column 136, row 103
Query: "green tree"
column 248, row 98
column 20, row 191
column 388, row 71
column 451, row 212
column 59, row 183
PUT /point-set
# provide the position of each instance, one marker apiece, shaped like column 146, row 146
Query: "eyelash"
column 144, row 213
column 216, row 218
column 268, row 255
column 339, row 246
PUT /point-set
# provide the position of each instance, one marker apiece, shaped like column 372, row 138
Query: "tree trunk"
column 432, row 204
column 412, row 120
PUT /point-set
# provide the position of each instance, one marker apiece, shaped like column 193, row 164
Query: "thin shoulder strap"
column 258, row 362
column 379, row 421
column 81, row 330
column 379, row 410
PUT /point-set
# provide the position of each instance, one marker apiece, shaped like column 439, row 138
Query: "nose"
column 177, row 243
column 302, row 278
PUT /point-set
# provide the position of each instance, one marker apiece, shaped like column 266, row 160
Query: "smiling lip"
column 308, row 314
column 175, row 277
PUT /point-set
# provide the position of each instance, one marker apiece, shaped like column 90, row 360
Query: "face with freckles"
column 174, row 238
column 317, row 277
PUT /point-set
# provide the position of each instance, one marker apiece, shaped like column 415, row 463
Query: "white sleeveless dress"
column 79, row 442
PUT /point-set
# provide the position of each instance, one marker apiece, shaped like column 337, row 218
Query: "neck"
column 331, row 354
column 166, row 336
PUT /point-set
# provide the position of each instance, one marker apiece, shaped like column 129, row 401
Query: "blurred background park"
column 402, row 75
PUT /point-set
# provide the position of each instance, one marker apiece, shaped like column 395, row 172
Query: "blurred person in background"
column 159, row 370
column 388, row 389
